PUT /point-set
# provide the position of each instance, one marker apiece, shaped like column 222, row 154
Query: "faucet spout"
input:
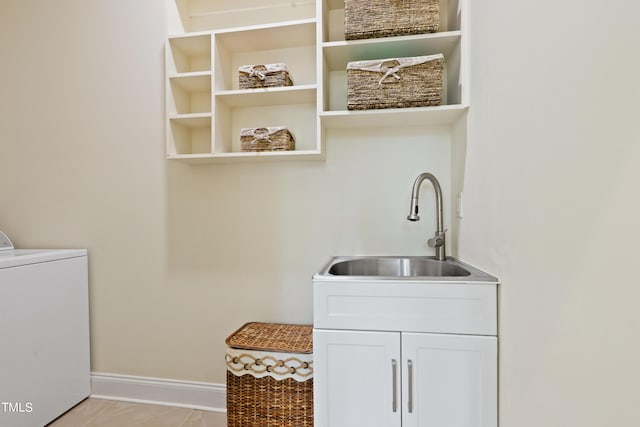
column 439, row 239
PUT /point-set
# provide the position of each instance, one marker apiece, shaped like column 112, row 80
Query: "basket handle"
column 258, row 71
column 261, row 134
column 390, row 69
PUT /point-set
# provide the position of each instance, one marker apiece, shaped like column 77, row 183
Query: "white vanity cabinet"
column 393, row 379
column 405, row 351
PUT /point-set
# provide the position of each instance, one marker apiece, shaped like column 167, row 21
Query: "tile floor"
column 110, row 413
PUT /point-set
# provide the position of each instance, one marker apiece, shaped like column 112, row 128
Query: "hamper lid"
column 273, row 337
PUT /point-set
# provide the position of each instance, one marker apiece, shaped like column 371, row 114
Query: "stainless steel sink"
column 402, row 268
column 396, row 267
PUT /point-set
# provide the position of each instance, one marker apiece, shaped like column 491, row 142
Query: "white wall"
column 180, row 256
column 81, row 160
column 552, row 204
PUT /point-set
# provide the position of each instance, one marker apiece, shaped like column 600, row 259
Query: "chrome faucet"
column 437, row 241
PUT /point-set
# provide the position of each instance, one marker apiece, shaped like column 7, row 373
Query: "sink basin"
column 397, row 267
column 402, row 268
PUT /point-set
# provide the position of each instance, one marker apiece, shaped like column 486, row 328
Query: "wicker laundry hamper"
column 395, row 82
column 263, row 75
column 384, row 18
column 277, row 138
column 270, row 376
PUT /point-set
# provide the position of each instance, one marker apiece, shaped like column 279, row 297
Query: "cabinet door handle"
column 394, row 380
column 410, row 385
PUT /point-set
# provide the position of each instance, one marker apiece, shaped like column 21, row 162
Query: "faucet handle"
column 437, row 240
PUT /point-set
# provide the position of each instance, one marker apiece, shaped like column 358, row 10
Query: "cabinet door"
column 449, row 380
column 357, row 378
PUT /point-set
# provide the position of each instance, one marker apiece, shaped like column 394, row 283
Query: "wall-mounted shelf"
column 338, row 53
column 304, row 94
column 427, row 116
column 206, row 109
column 247, row 157
column 188, row 16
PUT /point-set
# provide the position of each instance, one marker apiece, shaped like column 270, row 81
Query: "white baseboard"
column 158, row 391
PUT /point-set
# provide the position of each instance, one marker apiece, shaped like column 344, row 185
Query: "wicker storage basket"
column 266, row 139
column 383, row 18
column 395, row 83
column 267, row 75
column 270, row 376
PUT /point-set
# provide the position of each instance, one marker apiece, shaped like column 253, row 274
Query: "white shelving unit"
column 210, row 39
column 336, row 52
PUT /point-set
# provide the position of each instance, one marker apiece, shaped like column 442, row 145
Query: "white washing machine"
column 44, row 333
